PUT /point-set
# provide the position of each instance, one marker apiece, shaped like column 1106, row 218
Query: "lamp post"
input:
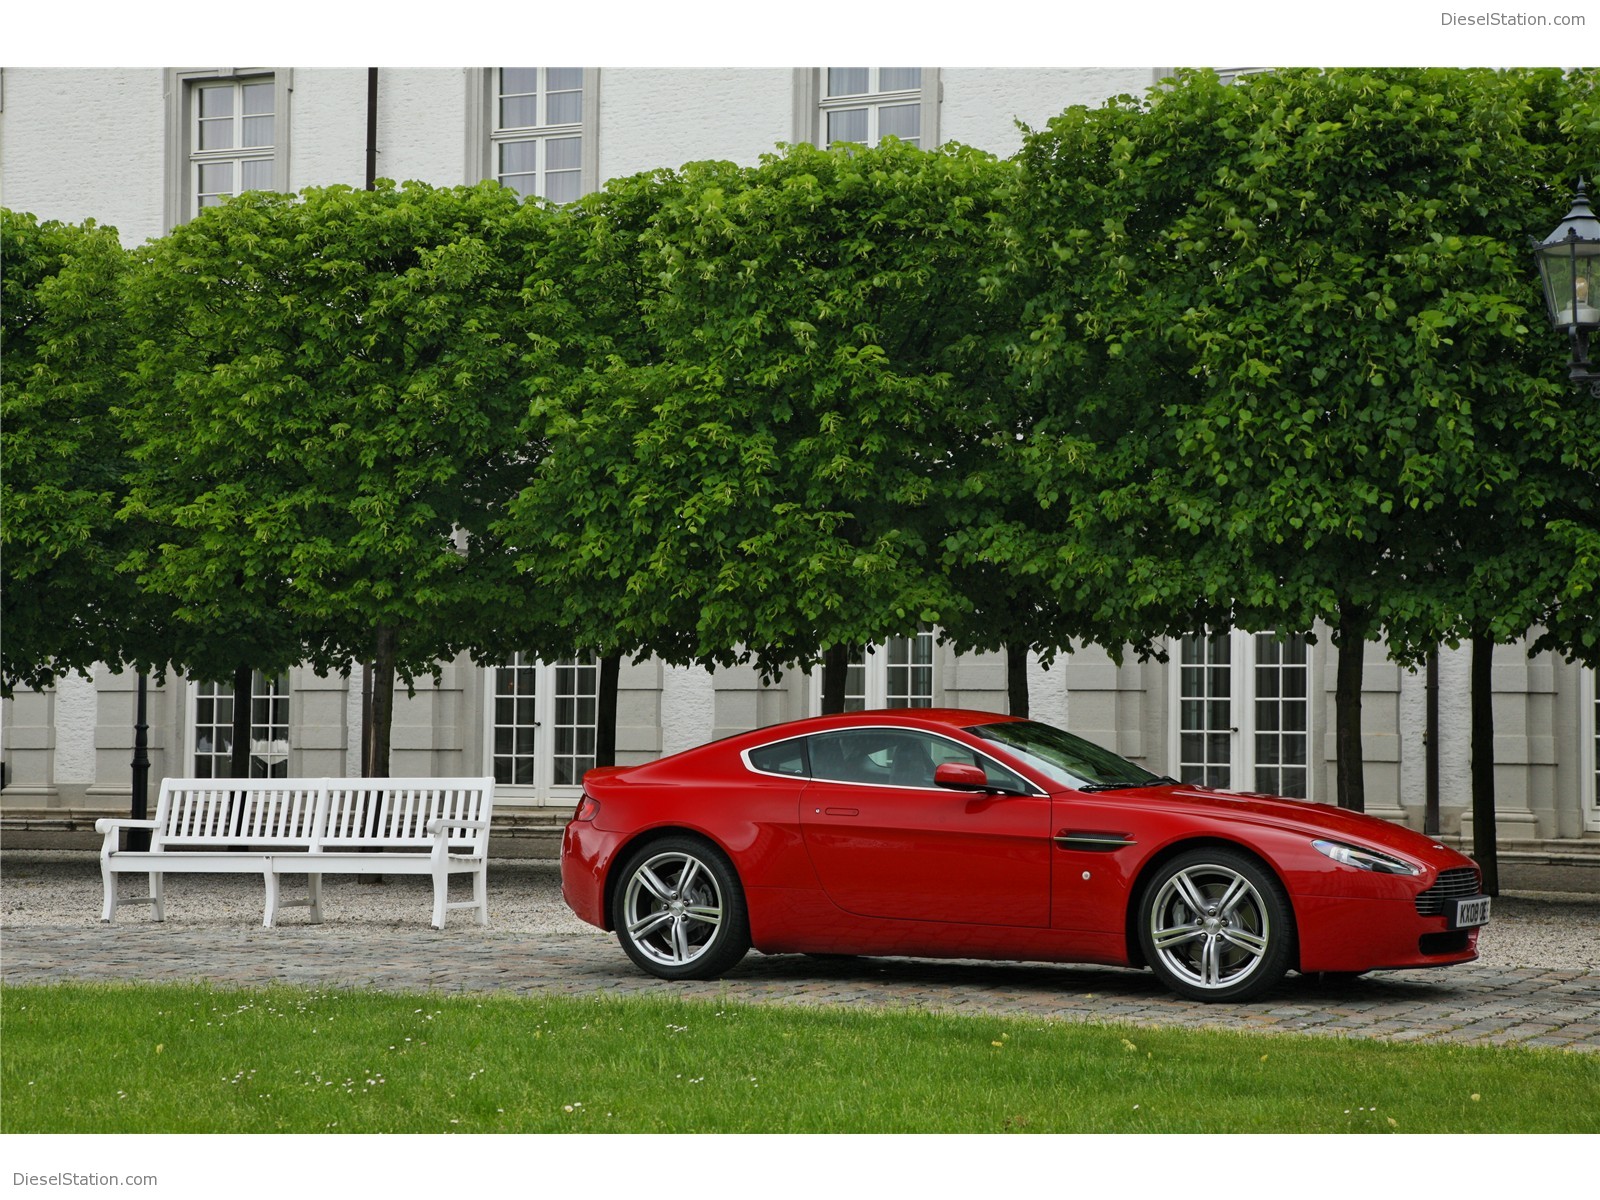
column 1569, row 266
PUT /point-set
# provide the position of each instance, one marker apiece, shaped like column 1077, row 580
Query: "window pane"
column 257, row 174
column 257, row 131
column 563, row 108
column 849, row 81
column 784, row 758
column 847, row 125
column 257, row 98
column 215, row 178
column 563, row 154
column 524, row 184
column 899, row 79
column 216, row 101
column 519, row 80
column 564, row 79
column 216, row 135
column 519, row 157
column 519, row 112
column 563, row 187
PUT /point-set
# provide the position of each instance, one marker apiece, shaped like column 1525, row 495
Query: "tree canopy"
column 327, row 404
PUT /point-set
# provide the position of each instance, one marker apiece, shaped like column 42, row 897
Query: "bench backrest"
column 396, row 812
column 319, row 814
column 213, row 812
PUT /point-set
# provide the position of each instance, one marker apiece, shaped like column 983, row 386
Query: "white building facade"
column 144, row 149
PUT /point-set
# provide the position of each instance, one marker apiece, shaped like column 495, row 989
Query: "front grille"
column 1451, row 885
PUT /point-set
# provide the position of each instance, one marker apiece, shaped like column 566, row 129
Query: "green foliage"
column 65, row 607
column 761, row 464
column 328, row 405
column 1297, row 317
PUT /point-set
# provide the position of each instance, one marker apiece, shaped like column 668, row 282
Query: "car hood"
column 1317, row 820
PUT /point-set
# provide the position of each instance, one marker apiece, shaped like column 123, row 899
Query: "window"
column 894, row 674
column 867, row 104
column 232, row 140
column 227, row 133
column 890, row 757
column 269, row 728
column 536, row 126
column 1242, row 712
column 543, row 723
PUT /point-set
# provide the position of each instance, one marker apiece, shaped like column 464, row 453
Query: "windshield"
column 1064, row 757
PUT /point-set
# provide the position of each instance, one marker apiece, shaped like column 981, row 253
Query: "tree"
column 758, row 473
column 328, row 404
column 65, row 606
column 1310, row 272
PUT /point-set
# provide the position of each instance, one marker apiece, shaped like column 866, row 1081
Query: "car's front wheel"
column 1216, row 925
column 680, row 912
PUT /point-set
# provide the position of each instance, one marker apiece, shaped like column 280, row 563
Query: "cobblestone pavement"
column 1477, row 1004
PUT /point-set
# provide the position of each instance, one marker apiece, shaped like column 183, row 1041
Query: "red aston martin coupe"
column 944, row 833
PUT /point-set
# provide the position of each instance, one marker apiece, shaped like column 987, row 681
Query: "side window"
column 781, row 758
column 896, row 758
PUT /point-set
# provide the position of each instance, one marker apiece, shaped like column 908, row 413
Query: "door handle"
column 840, row 812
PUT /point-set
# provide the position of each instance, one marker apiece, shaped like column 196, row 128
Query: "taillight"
column 587, row 808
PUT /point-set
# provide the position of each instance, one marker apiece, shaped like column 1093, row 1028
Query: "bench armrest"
column 112, row 824
column 439, row 824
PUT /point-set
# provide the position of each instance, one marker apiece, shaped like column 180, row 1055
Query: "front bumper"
column 1352, row 933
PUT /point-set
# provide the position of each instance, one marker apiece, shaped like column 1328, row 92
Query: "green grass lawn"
column 191, row 1059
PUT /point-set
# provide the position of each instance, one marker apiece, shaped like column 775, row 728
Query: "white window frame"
column 485, row 136
column 183, row 154
column 812, row 105
column 543, row 789
column 873, row 688
column 1242, row 727
column 270, row 749
column 1589, row 747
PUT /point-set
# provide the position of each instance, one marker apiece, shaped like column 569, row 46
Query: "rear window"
column 781, row 758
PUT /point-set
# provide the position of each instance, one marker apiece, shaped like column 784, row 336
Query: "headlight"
column 1366, row 860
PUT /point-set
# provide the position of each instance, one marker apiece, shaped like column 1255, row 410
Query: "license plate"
column 1474, row 910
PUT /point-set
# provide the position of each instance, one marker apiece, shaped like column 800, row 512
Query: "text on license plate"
column 1474, row 910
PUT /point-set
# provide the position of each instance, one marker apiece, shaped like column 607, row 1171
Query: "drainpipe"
column 1430, row 740
column 372, row 127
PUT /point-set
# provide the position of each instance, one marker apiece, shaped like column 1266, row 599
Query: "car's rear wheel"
column 1216, row 925
column 680, row 912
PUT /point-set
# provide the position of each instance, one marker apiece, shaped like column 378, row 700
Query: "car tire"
column 680, row 910
column 1216, row 925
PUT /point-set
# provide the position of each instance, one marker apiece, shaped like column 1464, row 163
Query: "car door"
column 887, row 842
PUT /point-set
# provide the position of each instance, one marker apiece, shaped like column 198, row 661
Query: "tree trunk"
column 1017, row 679
column 1483, row 821
column 605, row 734
column 382, row 719
column 243, row 702
column 1351, row 779
column 835, row 671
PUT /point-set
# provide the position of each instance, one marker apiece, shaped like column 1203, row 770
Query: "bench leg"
column 441, row 893
column 158, row 895
column 480, row 894
column 314, row 895
column 270, row 917
column 108, row 879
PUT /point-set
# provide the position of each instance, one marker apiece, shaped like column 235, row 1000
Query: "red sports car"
column 943, row 833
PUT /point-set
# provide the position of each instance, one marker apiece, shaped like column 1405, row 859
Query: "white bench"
column 311, row 827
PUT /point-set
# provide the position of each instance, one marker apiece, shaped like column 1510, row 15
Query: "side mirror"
column 963, row 777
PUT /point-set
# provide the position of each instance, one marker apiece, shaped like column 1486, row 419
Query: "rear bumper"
column 586, row 857
column 1349, row 933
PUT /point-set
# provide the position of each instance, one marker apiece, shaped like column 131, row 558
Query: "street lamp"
column 1569, row 265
